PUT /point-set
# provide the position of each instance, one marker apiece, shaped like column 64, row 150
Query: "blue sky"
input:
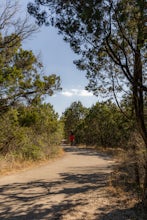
column 57, row 57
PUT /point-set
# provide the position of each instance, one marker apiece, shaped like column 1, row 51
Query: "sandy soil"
column 74, row 187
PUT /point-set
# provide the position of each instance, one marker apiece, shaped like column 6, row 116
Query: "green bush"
column 30, row 133
column 31, row 152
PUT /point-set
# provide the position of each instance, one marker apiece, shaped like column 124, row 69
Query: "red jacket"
column 72, row 137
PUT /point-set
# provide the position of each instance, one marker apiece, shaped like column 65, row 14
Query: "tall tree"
column 22, row 78
column 73, row 118
column 21, row 72
column 106, row 126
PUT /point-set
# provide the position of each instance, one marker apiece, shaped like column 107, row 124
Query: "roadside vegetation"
column 30, row 130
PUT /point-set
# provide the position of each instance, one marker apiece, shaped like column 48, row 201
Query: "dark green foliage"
column 101, row 31
column 73, row 118
column 21, row 79
column 101, row 125
column 106, row 126
column 30, row 132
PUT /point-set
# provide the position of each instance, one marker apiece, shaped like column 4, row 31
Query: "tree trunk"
column 139, row 108
column 138, row 97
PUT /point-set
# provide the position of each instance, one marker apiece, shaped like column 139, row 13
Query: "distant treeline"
column 104, row 124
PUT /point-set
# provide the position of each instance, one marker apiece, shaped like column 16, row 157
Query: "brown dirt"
column 74, row 187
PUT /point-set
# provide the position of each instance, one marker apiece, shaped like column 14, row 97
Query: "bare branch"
column 12, row 23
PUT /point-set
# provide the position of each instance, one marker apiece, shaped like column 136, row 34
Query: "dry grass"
column 9, row 164
column 124, row 192
column 122, row 181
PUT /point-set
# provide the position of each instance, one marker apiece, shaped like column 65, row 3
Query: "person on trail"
column 71, row 138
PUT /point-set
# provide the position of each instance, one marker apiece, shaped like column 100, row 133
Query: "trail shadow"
column 38, row 212
column 134, row 213
column 87, row 152
column 48, row 200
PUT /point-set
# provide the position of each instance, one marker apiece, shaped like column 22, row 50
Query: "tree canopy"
column 73, row 118
column 22, row 78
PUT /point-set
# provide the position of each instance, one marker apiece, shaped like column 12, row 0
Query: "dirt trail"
column 74, row 187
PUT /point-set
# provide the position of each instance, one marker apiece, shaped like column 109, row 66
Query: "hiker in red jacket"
column 71, row 138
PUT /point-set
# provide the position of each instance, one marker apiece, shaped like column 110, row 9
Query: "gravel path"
column 74, row 187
